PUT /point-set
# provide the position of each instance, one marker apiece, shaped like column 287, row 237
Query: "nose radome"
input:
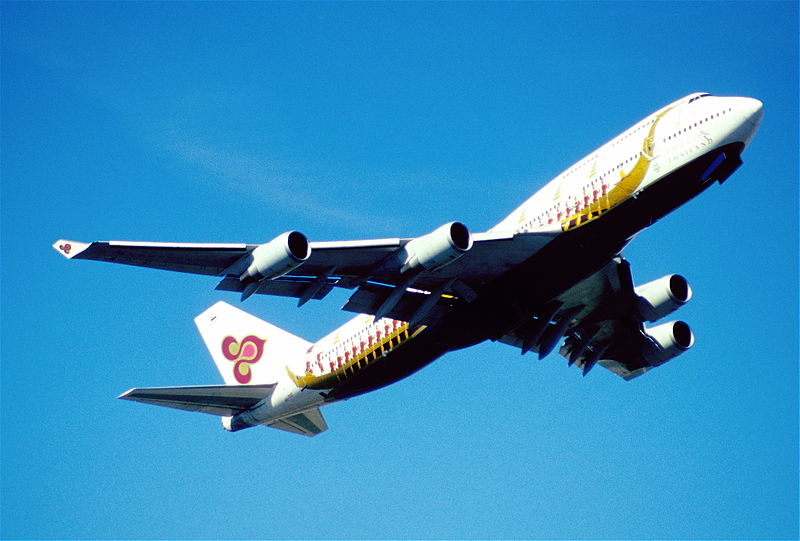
column 752, row 110
column 748, row 112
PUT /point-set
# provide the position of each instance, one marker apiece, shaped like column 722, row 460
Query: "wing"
column 603, row 319
column 209, row 259
column 224, row 400
column 376, row 269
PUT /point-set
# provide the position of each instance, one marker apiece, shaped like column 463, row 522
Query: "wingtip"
column 126, row 394
column 69, row 248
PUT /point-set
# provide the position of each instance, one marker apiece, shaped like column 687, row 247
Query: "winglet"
column 69, row 248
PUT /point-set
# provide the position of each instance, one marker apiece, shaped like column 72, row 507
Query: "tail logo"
column 243, row 353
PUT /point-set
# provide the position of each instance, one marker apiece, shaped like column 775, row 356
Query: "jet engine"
column 669, row 340
column 437, row 249
column 277, row 257
column 661, row 297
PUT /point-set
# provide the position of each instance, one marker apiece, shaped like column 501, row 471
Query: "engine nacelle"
column 661, row 297
column 277, row 257
column 670, row 340
column 435, row 250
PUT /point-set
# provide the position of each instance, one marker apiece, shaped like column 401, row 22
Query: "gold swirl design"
column 625, row 188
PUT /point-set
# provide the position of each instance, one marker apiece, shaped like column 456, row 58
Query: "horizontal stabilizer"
column 225, row 400
column 307, row 423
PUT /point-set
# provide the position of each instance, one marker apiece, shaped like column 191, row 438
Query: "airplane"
column 551, row 275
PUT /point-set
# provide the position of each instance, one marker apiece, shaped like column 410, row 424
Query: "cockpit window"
column 698, row 97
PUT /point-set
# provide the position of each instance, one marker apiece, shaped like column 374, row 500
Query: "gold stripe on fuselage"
column 625, row 188
column 358, row 362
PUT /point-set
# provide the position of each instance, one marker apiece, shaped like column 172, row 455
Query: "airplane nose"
column 750, row 111
column 753, row 111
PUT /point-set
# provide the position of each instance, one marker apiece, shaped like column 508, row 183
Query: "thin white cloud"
column 279, row 187
column 261, row 178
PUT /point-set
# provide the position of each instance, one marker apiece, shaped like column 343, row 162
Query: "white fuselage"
column 682, row 132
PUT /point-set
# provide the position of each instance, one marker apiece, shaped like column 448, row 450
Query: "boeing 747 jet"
column 550, row 276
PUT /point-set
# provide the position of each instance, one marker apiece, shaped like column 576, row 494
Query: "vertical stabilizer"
column 247, row 350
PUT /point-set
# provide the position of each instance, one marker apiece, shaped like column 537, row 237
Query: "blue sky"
column 208, row 122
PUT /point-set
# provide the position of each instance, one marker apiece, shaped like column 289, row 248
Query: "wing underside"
column 371, row 268
column 603, row 324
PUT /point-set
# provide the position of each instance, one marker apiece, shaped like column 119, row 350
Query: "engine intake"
column 661, row 297
column 669, row 340
column 437, row 249
column 277, row 257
